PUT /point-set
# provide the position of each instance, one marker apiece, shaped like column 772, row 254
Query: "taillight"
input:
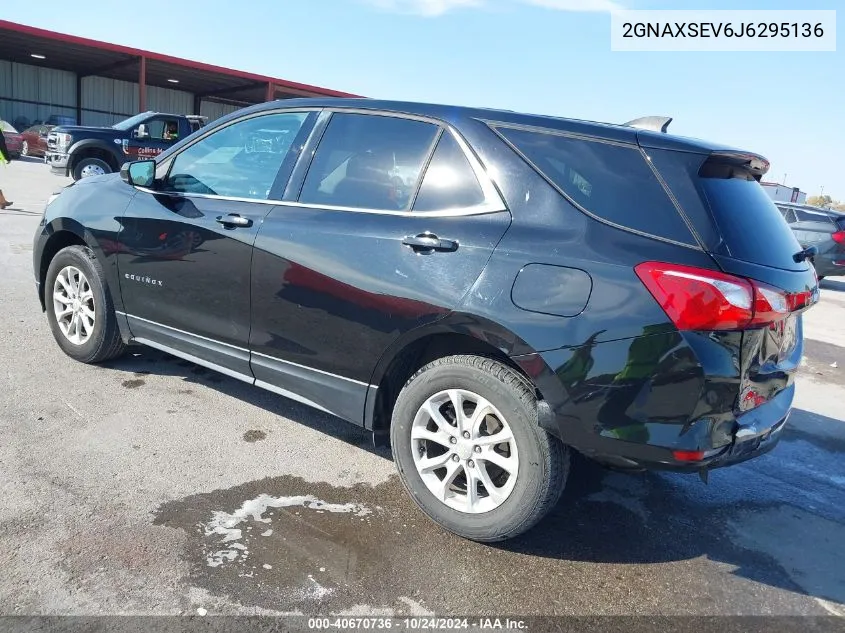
column 702, row 299
column 839, row 237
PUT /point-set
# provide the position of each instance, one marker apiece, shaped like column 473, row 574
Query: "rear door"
column 384, row 231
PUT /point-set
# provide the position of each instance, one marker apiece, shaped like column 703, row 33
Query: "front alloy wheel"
column 464, row 451
column 79, row 306
column 73, row 304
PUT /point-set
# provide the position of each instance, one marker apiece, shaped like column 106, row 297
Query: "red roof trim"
column 185, row 63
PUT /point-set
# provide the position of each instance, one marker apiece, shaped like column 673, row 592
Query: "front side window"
column 368, row 161
column 240, row 160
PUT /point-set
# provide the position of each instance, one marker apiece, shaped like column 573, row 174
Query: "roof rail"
column 653, row 123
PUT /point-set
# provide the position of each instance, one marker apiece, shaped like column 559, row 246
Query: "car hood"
column 109, row 132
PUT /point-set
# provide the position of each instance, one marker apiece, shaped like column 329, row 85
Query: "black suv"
column 492, row 289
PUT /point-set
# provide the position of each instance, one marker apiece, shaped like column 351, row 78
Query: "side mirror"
column 140, row 173
column 141, row 132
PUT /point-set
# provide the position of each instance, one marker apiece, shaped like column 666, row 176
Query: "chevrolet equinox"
column 491, row 290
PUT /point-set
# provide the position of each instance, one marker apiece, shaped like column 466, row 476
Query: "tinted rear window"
column 610, row 181
column 750, row 223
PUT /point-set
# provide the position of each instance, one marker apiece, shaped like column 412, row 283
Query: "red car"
column 14, row 141
column 34, row 141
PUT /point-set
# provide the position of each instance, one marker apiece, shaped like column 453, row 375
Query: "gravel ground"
column 152, row 486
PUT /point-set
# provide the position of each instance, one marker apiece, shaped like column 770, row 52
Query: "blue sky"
column 541, row 56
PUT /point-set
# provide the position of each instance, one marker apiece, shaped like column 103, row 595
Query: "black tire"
column 543, row 459
column 90, row 162
column 105, row 341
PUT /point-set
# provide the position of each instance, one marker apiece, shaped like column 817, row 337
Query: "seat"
column 367, row 182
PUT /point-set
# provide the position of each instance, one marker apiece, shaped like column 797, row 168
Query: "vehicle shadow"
column 779, row 519
column 142, row 361
column 833, row 284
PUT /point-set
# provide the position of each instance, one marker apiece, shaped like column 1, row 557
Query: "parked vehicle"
column 34, row 140
column 60, row 119
column 12, row 138
column 542, row 285
column 80, row 151
column 822, row 228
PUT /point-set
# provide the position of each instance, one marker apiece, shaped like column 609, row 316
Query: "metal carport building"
column 44, row 73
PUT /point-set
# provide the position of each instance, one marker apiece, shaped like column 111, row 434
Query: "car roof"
column 455, row 114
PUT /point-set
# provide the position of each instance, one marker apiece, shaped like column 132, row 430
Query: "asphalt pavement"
column 152, row 486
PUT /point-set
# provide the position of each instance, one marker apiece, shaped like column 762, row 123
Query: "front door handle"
column 233, row 219
column 428, row 243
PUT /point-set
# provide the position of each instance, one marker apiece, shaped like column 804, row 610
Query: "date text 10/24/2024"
column 423, row 623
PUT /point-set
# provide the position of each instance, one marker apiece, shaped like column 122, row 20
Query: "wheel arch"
column 93, row 148
column 63, row 232
column 455, row 334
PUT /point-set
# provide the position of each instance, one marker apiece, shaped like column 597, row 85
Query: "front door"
column 186, row 245
column 362, row 258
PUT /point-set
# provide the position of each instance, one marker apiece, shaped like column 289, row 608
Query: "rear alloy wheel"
column 470, row 452
column 464, row 451
column 24, row 149
column 88, row 167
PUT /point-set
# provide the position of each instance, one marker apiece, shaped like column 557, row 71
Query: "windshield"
column 131, row 122
column 7, row 127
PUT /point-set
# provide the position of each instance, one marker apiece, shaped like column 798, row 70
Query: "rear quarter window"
column 610, row 181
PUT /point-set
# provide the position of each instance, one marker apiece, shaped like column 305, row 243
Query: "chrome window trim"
column 493, row 201
column 456, row 212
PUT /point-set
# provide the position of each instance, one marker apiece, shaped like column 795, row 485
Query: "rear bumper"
column 755, row 433
column 667, row 401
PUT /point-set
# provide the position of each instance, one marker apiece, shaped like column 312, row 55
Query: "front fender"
column 92, row 213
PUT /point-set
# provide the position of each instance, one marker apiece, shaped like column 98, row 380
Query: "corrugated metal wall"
column 169, row 100
column 34, row 93
column 107, row 101
column 214, row 110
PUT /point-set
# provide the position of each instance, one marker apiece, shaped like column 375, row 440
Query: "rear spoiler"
column 720, row 161
column 652, row 123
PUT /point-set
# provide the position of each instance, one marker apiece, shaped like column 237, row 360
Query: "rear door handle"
column 428, row 243
column 233, row 219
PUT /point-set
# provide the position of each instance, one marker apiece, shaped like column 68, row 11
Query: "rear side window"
column 368, row 161
column 449, row 180
column 610, row 181
column 749, row 222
